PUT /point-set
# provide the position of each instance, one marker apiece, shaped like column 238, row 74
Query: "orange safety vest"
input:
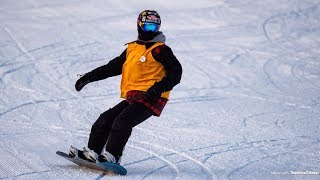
column 140, row 70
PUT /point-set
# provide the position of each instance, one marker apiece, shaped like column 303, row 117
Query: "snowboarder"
column 149, row 71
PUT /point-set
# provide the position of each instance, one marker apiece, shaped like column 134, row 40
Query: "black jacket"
column 165, row 56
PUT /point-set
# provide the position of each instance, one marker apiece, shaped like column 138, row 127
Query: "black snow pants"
column 113, row 127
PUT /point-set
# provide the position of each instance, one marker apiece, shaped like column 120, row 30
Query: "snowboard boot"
column 90, row 155
column 105, row 156
column 75, row 152
column 87, row 155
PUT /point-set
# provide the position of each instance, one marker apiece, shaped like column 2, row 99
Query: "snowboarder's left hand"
column 152, row 94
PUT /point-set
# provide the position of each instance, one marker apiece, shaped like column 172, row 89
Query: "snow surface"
column 247, row 106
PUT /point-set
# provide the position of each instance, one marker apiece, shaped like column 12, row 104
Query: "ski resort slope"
column 247, row 107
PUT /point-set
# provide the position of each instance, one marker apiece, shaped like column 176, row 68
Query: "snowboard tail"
column 104, row 166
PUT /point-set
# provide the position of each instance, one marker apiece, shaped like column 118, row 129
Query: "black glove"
column 152, row 94
column 84, row 80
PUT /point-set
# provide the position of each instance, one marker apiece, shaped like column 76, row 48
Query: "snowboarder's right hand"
column 84, row 80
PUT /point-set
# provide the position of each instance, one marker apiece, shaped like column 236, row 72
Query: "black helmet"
column 149, row 21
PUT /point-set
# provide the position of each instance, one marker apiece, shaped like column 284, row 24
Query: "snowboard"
column 108, row 167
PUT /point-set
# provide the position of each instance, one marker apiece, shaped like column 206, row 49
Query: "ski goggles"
column 150, row 27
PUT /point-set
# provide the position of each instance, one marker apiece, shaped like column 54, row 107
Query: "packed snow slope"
column 247, row 106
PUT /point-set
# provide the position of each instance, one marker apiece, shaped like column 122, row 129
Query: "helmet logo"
column 143, row 19
column 153, row 17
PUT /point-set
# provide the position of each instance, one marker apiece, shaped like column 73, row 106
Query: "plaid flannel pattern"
column 156, row 106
